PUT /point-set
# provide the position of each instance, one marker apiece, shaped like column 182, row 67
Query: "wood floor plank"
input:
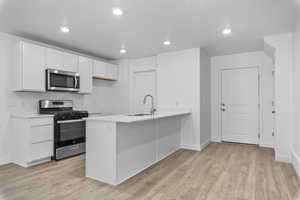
column 221, row 171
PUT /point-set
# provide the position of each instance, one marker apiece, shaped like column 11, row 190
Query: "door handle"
column 273, row 112
column 223, row 104
column 223, row 109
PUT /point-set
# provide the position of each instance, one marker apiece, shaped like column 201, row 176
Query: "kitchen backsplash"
column 28, row 102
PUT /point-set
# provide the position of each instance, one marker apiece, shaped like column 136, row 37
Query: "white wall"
column 296, row 92
column 205, row 98
column 178, row 86
column 179, row 76
column 283, row 94
column 110, row 97
column 4, row 100
column 250, row 59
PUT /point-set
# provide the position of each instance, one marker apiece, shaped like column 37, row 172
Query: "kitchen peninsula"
column 120, row 146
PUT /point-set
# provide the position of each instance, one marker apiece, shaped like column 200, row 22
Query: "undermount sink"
column 139, row 114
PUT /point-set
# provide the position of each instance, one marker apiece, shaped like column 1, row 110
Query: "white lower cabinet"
column 42, row 150
column 32, row 140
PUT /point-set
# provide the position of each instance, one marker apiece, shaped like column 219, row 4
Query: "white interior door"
column 143, row 84
column 239, row 105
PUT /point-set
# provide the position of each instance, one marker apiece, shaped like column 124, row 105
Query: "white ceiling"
column 147, row 23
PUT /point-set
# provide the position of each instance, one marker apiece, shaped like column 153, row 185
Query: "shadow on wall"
column 103, row 83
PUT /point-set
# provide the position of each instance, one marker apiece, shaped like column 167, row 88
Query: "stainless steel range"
column 69, row 127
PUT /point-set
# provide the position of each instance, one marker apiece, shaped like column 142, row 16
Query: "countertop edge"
column 166, row 115
column 30, row 116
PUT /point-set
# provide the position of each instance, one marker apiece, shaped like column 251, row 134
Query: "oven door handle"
column 70, row 121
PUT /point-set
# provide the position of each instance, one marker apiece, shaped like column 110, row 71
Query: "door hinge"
column 258, row 76
column 273, row 72
column 273, row 134
column 258, row 105
column 258, row 135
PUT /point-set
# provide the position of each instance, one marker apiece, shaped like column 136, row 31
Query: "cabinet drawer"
column 41, row 133
column 41, row 121
column 41, row 150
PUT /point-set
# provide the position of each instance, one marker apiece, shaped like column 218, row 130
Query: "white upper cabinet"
column 112, row 71
column 105, row 71
column 85, row 69
column 70, row 62
column 31, row 61
column 56, row 59
column 29, row 67
column 99, row 69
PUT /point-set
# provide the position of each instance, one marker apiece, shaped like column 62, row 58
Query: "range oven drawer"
column 68, row 151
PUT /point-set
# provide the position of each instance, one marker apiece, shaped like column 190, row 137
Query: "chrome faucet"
column 152, row 110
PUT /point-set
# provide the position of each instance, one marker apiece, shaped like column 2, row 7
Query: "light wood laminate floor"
column 221, row 171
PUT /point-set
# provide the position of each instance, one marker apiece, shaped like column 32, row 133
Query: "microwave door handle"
column 76, row 82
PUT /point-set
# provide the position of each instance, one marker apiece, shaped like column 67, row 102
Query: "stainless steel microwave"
column 58, row 80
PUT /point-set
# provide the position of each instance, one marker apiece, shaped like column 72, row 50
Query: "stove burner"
column 69, row 115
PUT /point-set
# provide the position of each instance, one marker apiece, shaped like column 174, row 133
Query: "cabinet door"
column 33, row 71
column 99, row 69
column 70, row 62
column 41, row 134
column 112, row 72
column 85, row 69
column 54, row 59
column 41, row 150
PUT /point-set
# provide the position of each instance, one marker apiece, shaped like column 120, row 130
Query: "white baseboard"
column 195, row 147
column 205, row 144
column 191, row 147
column 4, row 161
column 267, row 145
column 296, row 163
column 218, row 140
column 282, row 158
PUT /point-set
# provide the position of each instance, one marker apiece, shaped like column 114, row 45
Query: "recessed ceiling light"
column 167, row 43
column 122, row 51
column 64, row 29
column 226, row 31
column 117, row 11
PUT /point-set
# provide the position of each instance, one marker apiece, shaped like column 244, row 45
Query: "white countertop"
column 125, row 118
column 29, row 116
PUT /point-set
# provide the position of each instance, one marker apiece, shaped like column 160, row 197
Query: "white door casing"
column 144, row 82
column 240, row 105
